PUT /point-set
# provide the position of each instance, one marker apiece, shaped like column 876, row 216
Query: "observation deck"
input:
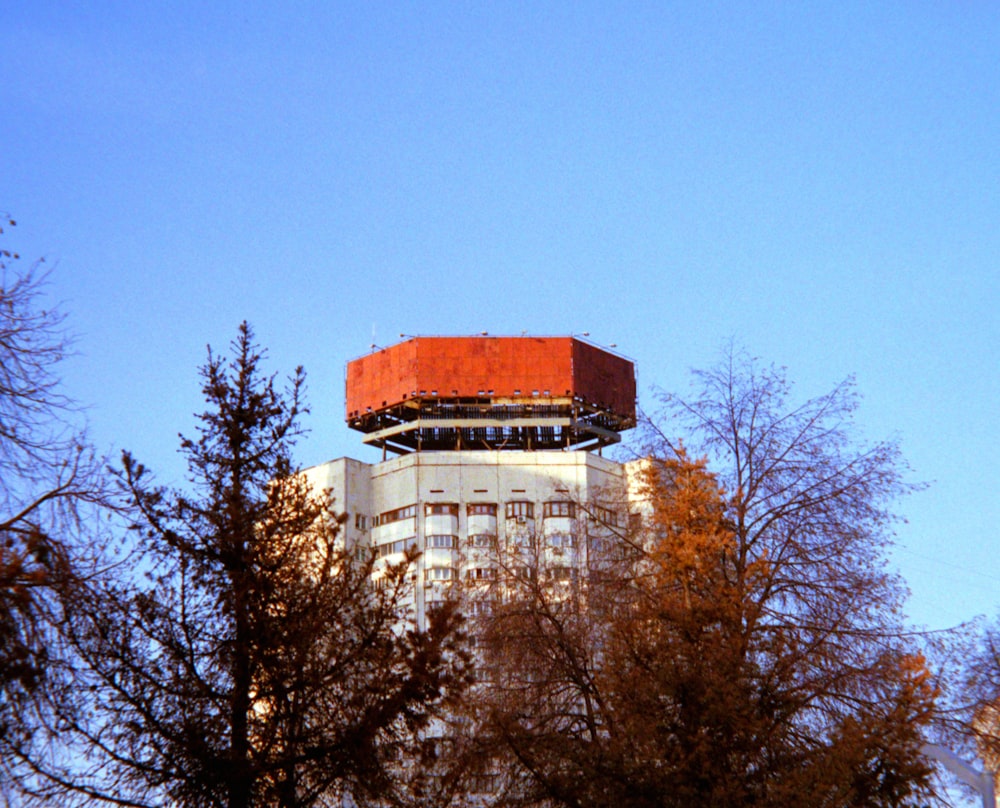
column 496, row 393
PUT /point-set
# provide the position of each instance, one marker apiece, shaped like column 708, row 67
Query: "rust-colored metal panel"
column 381, row 379
column 604, row 379
column 495, row 367
column 492, row 366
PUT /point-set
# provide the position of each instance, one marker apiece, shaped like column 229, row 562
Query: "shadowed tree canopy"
column 244, row 656
column 973, row 728
column 744, row 647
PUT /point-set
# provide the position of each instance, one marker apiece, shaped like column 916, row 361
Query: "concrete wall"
column 460, row 479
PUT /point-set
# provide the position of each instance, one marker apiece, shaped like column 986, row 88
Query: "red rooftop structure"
column 439, row 393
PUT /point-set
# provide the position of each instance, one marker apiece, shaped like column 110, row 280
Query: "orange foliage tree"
column 742, row 647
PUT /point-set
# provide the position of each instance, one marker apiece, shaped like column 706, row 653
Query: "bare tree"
column 257, row 662
column 746, row 648
column 47, row 472
column 972, row 728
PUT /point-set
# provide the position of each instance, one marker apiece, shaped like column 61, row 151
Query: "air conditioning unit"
column 522, row 520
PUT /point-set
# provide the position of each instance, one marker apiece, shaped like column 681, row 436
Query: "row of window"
column 396, row 546
column 486, row 574
column 479, row 608
column 395, row 515
column 559, row 509
column 514, row 510
column 435, row 541
column 521, row 509
column 480, row 541
column 526, row 510
column 449, row 542
column 430, row 509
column 448, row 574
column 605, row 515
column 450, row 508
column 441, row 508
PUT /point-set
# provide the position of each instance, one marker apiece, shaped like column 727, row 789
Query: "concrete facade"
column 495, row 468
column 467, row 511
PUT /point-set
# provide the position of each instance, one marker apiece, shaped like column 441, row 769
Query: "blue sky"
column 818, row 182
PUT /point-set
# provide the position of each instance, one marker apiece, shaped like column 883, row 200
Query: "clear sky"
column 820, row 182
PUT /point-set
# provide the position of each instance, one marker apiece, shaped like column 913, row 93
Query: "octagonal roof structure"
column 484, row 392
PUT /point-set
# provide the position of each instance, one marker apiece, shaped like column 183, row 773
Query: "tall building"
column 489, row 444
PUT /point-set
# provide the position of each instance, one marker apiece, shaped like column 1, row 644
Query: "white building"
column 498, row 442
column 459, row 508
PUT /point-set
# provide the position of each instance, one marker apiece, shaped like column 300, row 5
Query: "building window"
column 481, row 608
column 442, row 541
column 484, row 783
column 605, row 516
column 562, row 540
column 525, row 573
column 395, row 515
column 482, row 509
column 441, row 508
column 560, row 508
column 482, row 540
column 360, row 521
column 481, row 574
column 396, row 546
column 439, row 574
column 521, row 510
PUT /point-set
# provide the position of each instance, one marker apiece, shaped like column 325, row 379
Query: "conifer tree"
column 256, row 662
